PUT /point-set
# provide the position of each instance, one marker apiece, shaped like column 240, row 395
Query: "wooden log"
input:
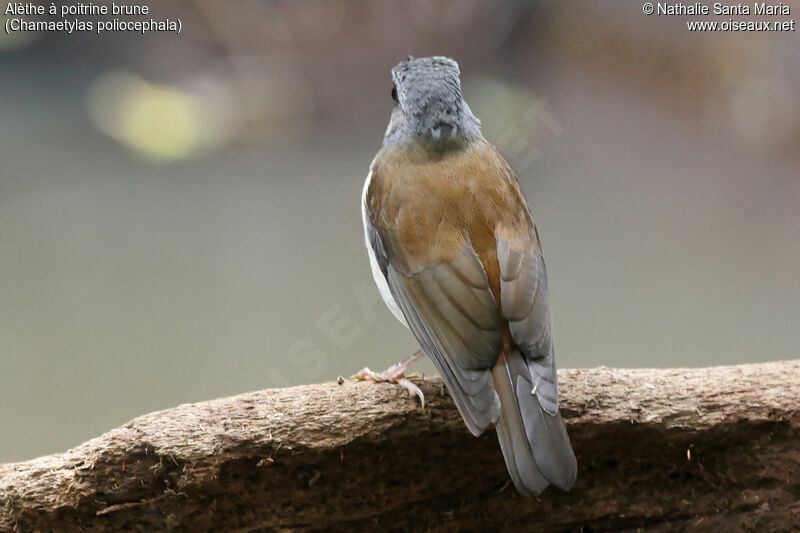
column 710, row 449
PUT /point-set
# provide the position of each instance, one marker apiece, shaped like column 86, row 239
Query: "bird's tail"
column 535, row 443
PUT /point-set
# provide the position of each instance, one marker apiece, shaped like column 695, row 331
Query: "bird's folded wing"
column 525, row 304
column 453, row 314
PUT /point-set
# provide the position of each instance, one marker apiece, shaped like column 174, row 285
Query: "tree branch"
column 714, row 449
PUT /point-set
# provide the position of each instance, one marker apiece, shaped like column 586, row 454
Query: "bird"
column 457, row 259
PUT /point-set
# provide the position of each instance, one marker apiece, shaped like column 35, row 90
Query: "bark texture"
column 712, row 449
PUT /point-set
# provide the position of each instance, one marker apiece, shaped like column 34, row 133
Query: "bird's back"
column 433, row 206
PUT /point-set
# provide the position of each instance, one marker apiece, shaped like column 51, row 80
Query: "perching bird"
column 457, row 259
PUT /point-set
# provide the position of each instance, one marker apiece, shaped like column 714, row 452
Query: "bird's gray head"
column 429, row 109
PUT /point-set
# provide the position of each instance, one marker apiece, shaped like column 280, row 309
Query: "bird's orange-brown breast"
column 429, row 207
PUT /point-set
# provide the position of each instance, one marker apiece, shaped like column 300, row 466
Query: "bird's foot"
column 396, row 374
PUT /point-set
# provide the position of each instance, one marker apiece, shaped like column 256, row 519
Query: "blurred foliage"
column 275, row 68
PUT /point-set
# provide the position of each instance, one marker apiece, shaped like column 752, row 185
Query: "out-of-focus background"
column 179, row 214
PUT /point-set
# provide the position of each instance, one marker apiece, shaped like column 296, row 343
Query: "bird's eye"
column 394, row 93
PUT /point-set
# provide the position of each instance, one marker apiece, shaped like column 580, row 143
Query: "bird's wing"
column 525, row 303
column 451, row 311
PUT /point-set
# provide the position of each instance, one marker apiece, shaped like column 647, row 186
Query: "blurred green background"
column 179, row 214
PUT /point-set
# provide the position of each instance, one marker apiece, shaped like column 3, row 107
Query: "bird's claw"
column 412, row 390
column 395, row 374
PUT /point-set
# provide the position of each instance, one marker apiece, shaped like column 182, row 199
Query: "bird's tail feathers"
column 535, row 444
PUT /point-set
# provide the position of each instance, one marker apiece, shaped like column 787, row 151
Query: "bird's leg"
column 396, row 374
